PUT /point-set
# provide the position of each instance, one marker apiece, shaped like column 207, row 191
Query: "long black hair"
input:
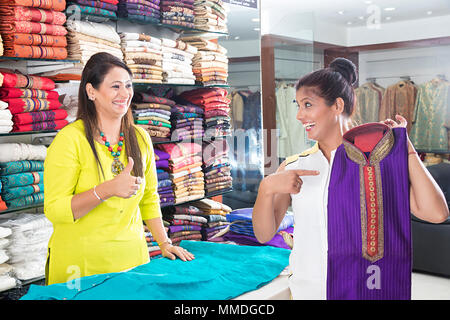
column 94, row 73
column 333, row 82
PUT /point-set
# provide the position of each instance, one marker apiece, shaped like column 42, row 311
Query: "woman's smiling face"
column 316, row 116
column 113, row 97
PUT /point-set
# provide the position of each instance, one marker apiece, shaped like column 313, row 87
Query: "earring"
column 92, row 98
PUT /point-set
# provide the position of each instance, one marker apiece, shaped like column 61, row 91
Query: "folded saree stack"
column 88, row 38
column 177, row 12
column 33, row 29
column 177, row 62
column 33, row 103
column 21, row 174
column 185, row 170
column 187, row 120
column 184, row 222
column 217, row 167
column 153, row 114
column 100, row 8
column 210, row 63
column 216, row 215
column 165, row 189
column 143, row 55
column 217, row 109
column 140, row 10
column 210, row 15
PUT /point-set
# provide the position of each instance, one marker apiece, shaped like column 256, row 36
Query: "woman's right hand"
column 125, row 185
column 286, row 181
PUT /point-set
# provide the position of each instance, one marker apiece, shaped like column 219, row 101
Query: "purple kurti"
column 359, row 268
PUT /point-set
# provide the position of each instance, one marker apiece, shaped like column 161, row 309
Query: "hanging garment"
column 431, row 122
column 369, row 228
column 368, row 103
column 292, row 138
column 399, row 98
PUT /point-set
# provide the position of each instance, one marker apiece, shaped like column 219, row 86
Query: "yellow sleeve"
column 150, row 204
column 61, row 171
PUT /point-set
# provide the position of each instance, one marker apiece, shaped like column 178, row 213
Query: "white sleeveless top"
column 308, row 259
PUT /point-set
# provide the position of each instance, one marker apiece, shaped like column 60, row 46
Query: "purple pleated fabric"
column 350, row 275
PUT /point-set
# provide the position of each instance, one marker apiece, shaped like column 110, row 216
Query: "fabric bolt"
column 28, row 200
column 32, row 27
column 19, row 105
column 27, row 93
column 57, row 5
column 21, row 151
column 95, row 3
column 82, row 9
column 42, row 116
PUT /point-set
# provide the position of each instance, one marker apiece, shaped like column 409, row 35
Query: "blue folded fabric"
column 242, row 219
column 218, row 272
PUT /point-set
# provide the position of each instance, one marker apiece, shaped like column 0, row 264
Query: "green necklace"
column 116, row 166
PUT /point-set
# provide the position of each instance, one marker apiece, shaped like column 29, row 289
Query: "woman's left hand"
column 402, row 123
column 172, row 252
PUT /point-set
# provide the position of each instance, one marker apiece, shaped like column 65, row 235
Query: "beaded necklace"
column 116, row 166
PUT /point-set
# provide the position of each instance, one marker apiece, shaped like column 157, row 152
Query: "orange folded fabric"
column 32, row 27
column 58, row 5
column 39, row 52
column 19, row 13
column 16, row 80
column 35, row 40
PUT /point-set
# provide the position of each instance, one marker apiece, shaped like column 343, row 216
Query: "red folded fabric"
column 34, row 40
column 15, row 80
column 58, row 5
column 9, row 93
column 37, row 52
column 204, row 93
column 177, row 150
column 19, row 13
column 40, row 126
column 19, row 105
column 39, row 116
column 32, row 27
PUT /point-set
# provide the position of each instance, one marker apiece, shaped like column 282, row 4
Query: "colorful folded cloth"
column 21, row 179
column 32, row 27
column 35, row 40
column 27, row 93
column 12, row 167
column 20, row 13
column 95, row 3
column 36, row 52
column 83, row 9
column 15, row 80
column 40, row 116
column 41, row 126
column 20, row 105
column 57, row 5
column 35, row 198
column 22, row 191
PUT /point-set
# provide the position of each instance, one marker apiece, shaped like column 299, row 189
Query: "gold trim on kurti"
column 371, row 193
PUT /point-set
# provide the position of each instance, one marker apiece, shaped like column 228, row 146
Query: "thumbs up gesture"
column 125, row 185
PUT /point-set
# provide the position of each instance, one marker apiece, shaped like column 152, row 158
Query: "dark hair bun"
column 346, row 68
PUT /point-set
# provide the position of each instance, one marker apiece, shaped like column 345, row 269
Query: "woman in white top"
column 325, row 101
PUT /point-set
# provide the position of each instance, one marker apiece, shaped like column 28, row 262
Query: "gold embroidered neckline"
column 379, row 152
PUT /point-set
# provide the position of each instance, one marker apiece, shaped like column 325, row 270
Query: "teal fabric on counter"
column 218, row 272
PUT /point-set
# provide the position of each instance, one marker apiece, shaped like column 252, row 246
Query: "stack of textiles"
column 217, row 167
column 177, row 13
column 22, row 182
column 185, row 170
column 143, row 55
column 217, row 107
column 153, row 114
column 210, row 15
column 187, row 121
column 88, row 38
column 177, row 62
column 241, row 229
column 7, row 280
column 184, row 222
column 33, row 102
column 165, row 188
column 154, row 250
column 100, row 8
column 140, row 10
column 216, row 216
column 33, row 29
column 210, row 63
column 27, row 247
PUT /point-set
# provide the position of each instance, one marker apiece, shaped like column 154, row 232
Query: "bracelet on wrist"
column 97, row 196
column 167, row 241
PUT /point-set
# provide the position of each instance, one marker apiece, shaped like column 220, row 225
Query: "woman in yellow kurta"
column 100, row 182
